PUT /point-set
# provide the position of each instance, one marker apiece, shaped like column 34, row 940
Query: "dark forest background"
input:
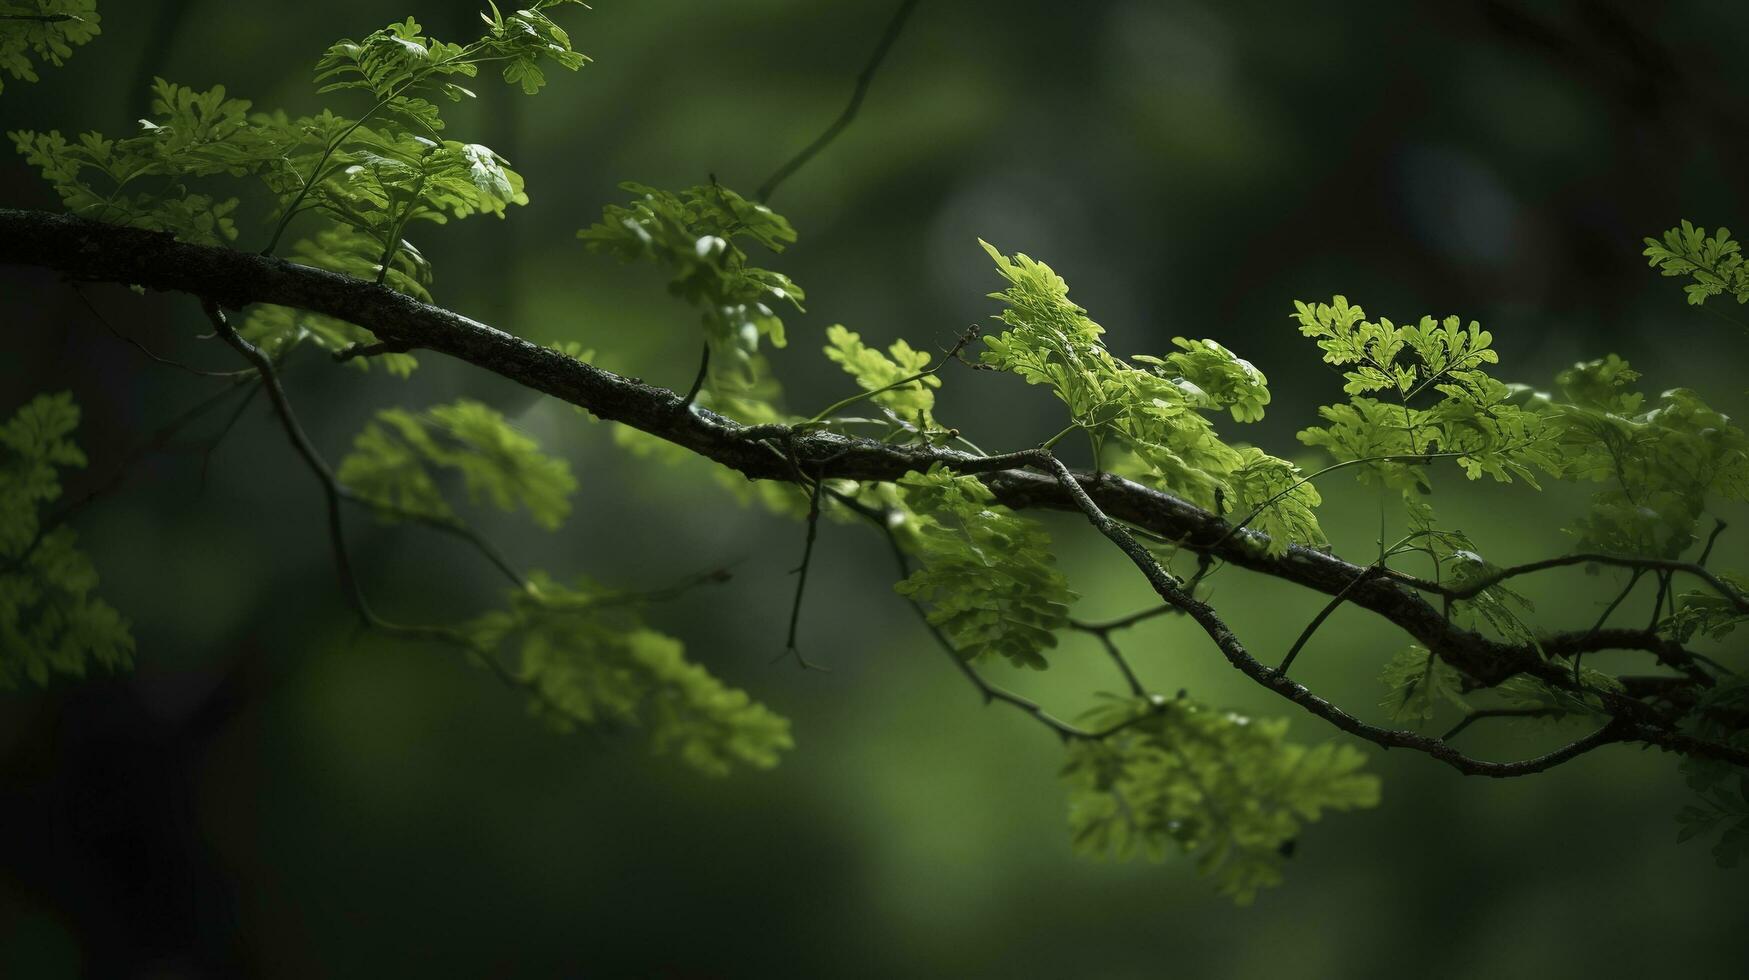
column 272, row 793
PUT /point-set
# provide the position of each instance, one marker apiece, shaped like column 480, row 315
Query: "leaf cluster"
column 586, row 659
column 1713, row 262
column 1228, row 788
column 394, row 458
column 897, row 380
column 1660, row 465
column 1147, row 420
column 45, row 30
column 1417, row 683
column 1468, row 415
column 50, row 619
column 987, row 577
column 370, row 179
column 696, row 236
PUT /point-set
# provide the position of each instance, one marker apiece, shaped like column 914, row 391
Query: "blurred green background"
column 272, row 793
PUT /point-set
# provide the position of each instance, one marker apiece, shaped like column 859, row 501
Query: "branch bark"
column 86, row 250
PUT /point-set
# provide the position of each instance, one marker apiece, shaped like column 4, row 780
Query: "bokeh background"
column 271, row 793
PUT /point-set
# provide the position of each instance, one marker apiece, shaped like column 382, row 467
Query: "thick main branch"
column 92, row 251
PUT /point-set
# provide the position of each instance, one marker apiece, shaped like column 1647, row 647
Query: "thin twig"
column 1711, row 539
column 159, row 438
column 1117, row 657
column 1482, row 713
column 890, row 35
column 704, row 370
column 331, row 486
column 1122, row 622
column 1323, row 614
column 147, row 351
column 212, row 446
column 795, row 612
column 1614, row 731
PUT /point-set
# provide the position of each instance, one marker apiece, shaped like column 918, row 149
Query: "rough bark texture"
column 88, row 250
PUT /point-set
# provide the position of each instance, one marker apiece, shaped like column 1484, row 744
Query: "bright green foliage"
column 987, row 578
column 397, row 62
column 1475, row 420
column 370, row 178
column 1282, row 499
column 49, row 619
column 1418, row 683
column 1150, row 419
column 141, row 180
column 1217, row 376
column 695, row 236
column 911, row 404
column 1659, row 466
column 391, row 463
column 587, row 660
column 46, row 29
column 1229, row 788
column 1160, row 773
column 1714, row 262
column 1457, row 564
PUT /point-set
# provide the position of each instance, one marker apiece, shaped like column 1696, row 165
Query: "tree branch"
column 92, row 251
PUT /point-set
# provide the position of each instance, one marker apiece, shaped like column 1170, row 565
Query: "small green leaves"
column 1281, row 497
column 892, row 380
column 526, row 36
column 1714, row 262
column 371, row 178
column 988, row 578
column 587, row 660
column 1660, row 467
column 1225, row 787
column 1216, row 376
column 1147, row 423
column 695, row 236
column 1477, row 421
column 47, row 29
column 391, row 459
column 50, row 622
column 399, row 60
column 190, row 134
column 1418, row 682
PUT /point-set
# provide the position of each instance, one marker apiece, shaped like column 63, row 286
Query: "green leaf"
column 391, row 461
column 588, row 661
column 1227, row 788
column 1146, row 422
column 1477, row 420
column 987, row 577
column 912, row 404
column 695, row 236
column 1713, row 262
column 50, row 620
column 54, row 29
column 1661, row 467
column 1418, row 682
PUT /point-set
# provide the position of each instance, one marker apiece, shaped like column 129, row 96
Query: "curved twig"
column 863, row 78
